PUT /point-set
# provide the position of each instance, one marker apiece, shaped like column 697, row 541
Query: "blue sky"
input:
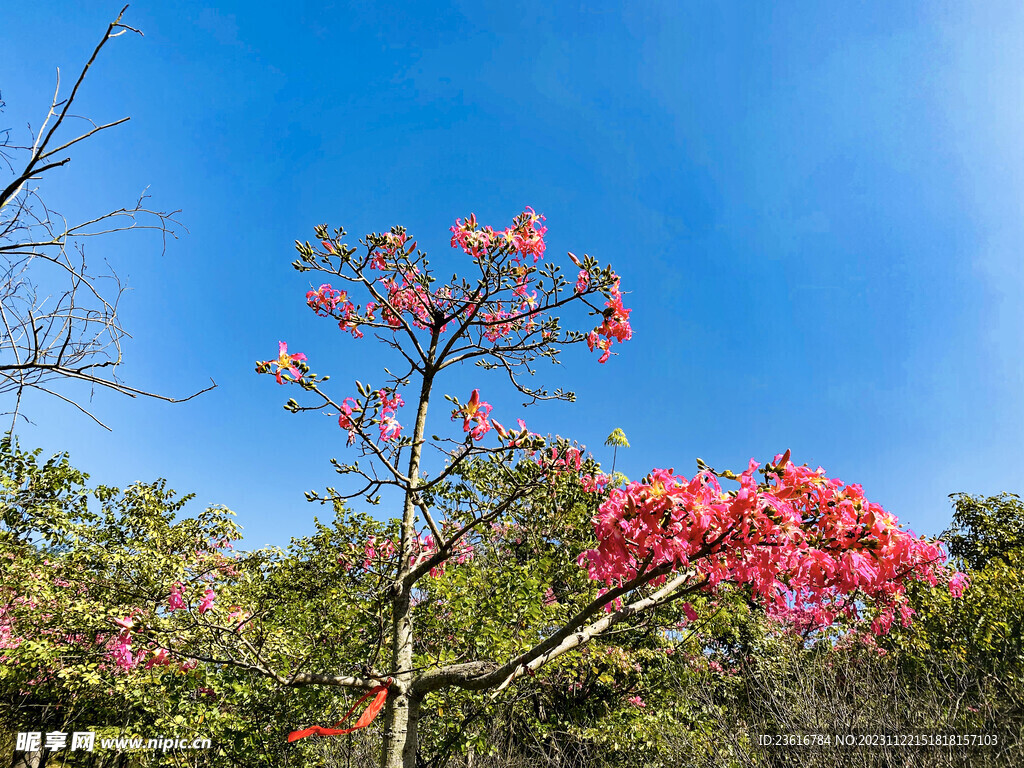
column 817, row 210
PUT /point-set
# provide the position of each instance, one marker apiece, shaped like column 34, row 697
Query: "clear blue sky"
column 818, row 211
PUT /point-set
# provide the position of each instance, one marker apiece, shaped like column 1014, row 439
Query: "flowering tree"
column 491, row 571
column 808, row 547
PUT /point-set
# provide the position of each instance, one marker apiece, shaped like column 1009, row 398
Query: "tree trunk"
column 400, row 742
column 402, row 714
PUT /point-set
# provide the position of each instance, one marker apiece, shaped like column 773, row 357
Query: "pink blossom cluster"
column 525, row 236
column 582, row 281
column 373, row 550
column 326, row 301
column 615, row 326
column 394, row 241
column 9, row 637
column 595, row 483
column 120, row 651
column 425, row 545
column 958, row 582
column 407, row 295
column 176, row 599
column 473, row 241
column 378, row 551
column 119, row 647
column 389, row 404
column 500, row 322
column 206, row 603
column 569, row 460
column 802, row 541
column 494, row 327
column 122, row 654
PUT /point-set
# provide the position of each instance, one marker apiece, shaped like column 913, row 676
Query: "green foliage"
column 617, row 438
column 981, row 631
column 985, row 528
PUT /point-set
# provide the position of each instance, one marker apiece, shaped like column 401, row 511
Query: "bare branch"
column 60, row 319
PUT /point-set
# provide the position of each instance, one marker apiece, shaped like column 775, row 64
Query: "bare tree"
column 58, row 320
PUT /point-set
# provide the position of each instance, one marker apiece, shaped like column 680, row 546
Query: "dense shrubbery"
column 689, row 684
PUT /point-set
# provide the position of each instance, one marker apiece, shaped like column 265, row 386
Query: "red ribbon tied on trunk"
column 380, row 695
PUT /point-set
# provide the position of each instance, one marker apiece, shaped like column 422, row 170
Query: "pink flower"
column 582, row 281
column 394, row 241
column 175, row 600
column 636, row 701
column 525, row 236
column 957, row 584
column 390, row 403
column 475, row 242
column 121, row 651
column 690, row 613
column 474, row 416
column 615, row 327
column 160, row 657
column 389, row 428
column 325, row 298
column 284, row 362
column 348, row 407
column 207, row 602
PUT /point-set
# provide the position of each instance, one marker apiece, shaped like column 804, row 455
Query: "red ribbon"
column 380, row 694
